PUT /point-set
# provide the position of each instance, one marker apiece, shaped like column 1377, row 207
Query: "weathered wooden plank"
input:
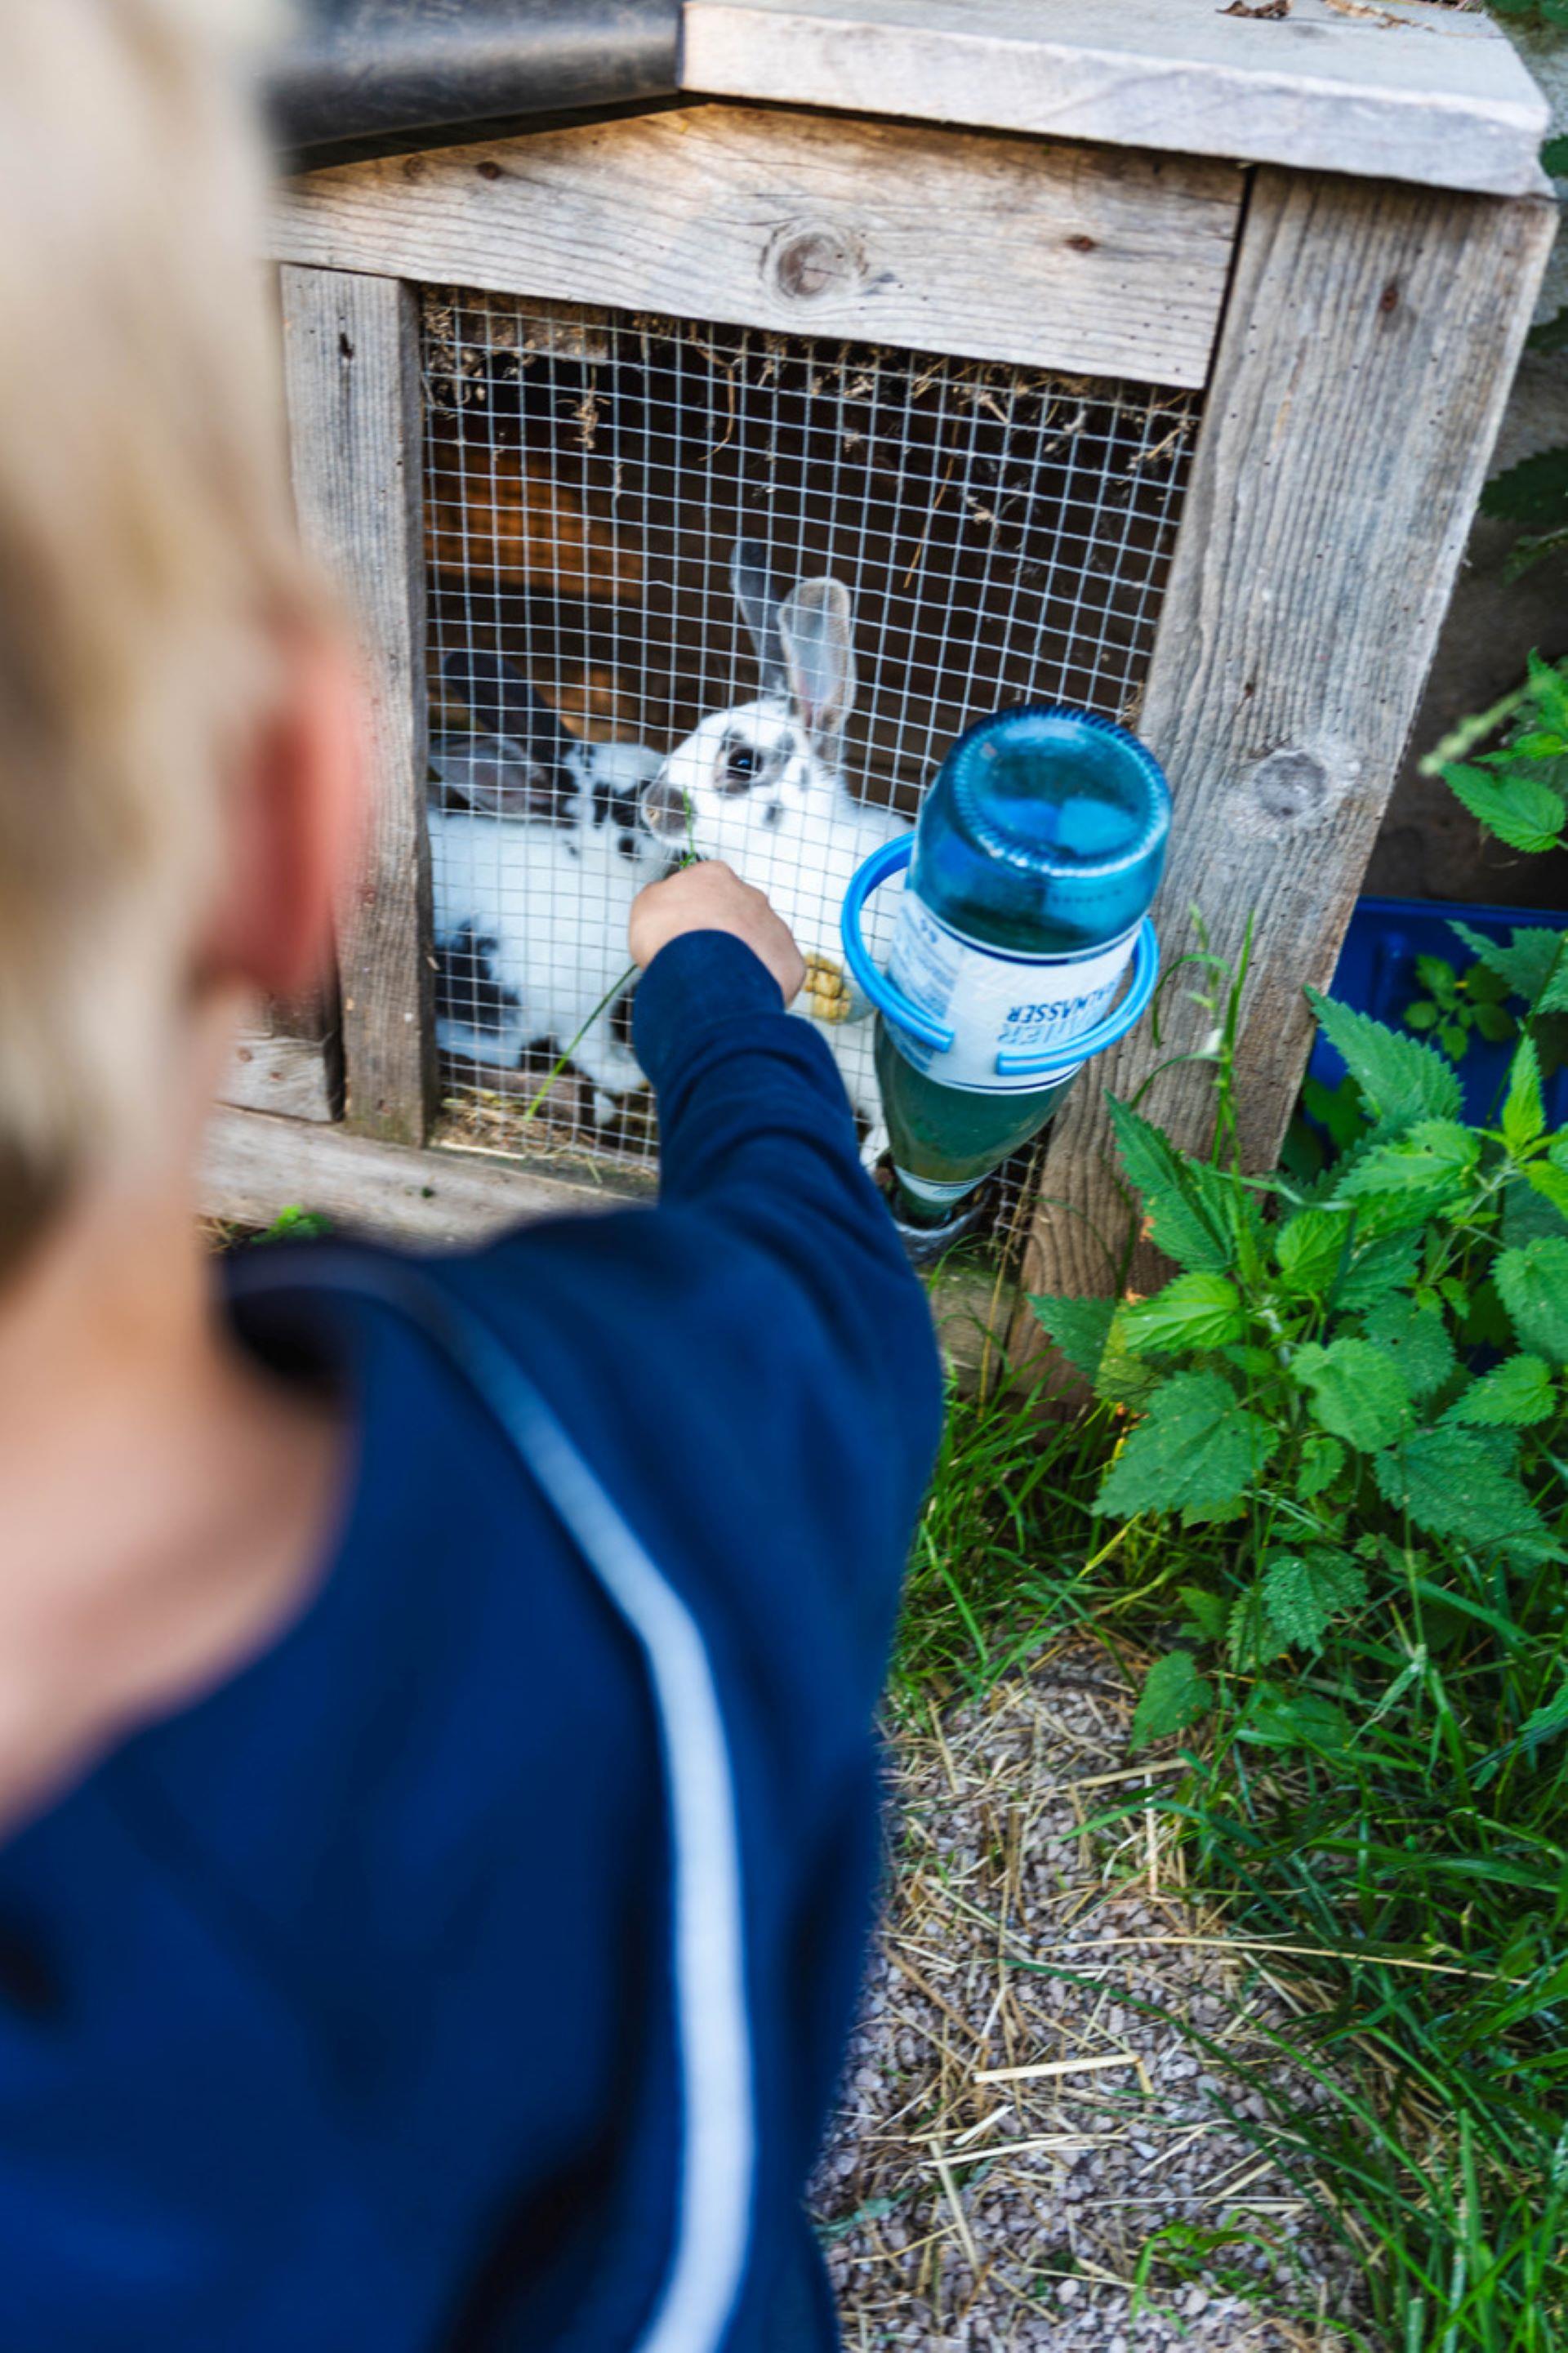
column 1402, row 90
column 290, row 1076
column 1367, row 350
column 351, row 356
column 253, row 1167
column 1057, row 256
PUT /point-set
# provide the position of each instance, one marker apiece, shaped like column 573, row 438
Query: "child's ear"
column 294, row 829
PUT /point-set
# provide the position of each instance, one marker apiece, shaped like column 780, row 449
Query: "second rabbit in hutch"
column 537, row 853
column 762, row 786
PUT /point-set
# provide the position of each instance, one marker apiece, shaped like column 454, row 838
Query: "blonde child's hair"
column 148, row 565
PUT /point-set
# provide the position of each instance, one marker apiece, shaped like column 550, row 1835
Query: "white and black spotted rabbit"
column 762, row 786
column 537, row 850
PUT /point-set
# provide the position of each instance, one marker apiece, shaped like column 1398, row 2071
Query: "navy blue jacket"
column 341, row 2008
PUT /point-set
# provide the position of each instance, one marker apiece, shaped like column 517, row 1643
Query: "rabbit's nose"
column 664, row 808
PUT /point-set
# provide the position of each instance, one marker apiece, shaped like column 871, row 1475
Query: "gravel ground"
column 961, row 2212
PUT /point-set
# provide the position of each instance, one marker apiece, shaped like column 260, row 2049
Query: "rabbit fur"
column 537, row 850
column 762, row 786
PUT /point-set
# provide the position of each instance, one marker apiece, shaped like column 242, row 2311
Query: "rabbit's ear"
column 509, row 786
column 502, row 699
column 819, row 648
column 759, row 604
column 484, row 777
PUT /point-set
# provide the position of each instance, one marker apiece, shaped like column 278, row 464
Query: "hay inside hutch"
column 1160, row 379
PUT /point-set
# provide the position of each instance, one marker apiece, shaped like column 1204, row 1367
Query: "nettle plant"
column 1350, row 1380
column 1519, row 792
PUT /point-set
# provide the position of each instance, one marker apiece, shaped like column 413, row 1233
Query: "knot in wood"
column 1290, row 787
column 808, row 262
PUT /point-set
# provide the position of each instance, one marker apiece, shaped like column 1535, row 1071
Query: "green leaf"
column 1527, row 1216
column 1357, row 1392
column 1251, row 1638
column 1401, row 1079
column 1420, row 1017
column 1434, row 1158
column 1533, row 1285
column 1197, row 1452
column 1322, row 1459
column 1544, row 1722
column 1450, row 1484
column 1279, row 1719
column 1125, row 1378
column 1181, row 1213
column 1310, row 1247
column 1079, row 1327
column 1304, row 1590
column 1514, row 1394
column 1551, row 1183
column 1486, row 1324
column 295, row 1224
column 1484, row 987
column 1549, row 685
column 1532, row 956
column 1520, row 810
column 1338, row 1110
column 1417, row 1339
column 1385, row 1265
column 1534, row 492
column 1523, row 1113
column 1554, row 156
column 1195, row 1311
column 1553, row 996
column 1208, row 1611
column 1173, row 1695
column 1502, row 1445
column 1496, row 1025
column 1528, row 551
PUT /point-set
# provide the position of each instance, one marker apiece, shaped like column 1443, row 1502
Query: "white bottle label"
column 996, row 1002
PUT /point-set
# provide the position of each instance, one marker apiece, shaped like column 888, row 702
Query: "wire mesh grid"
column 1003, row 535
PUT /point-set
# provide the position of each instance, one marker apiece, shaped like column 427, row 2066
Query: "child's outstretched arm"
column 755, row 1126
column 758, row 1141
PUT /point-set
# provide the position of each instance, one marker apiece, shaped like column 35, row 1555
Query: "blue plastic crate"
column 1376, row 974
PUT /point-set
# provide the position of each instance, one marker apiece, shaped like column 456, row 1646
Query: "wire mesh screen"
column 998, row 535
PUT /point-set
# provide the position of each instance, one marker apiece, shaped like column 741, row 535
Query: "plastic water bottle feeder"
column 1045, row 1064
column 1021, row 946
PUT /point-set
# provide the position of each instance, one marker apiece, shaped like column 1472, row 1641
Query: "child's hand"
column 711, row 897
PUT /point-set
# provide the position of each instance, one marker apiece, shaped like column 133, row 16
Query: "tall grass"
column 1436, row 1838
column 1001, row 1557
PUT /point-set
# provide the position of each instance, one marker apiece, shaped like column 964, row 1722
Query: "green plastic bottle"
column 1038, row 850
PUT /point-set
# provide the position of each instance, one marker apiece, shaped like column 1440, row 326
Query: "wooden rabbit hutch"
column 1147, row 357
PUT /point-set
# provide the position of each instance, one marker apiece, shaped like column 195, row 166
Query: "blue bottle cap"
column 1061, row 794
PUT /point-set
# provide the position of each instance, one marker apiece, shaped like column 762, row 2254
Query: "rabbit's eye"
column 741, row 765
